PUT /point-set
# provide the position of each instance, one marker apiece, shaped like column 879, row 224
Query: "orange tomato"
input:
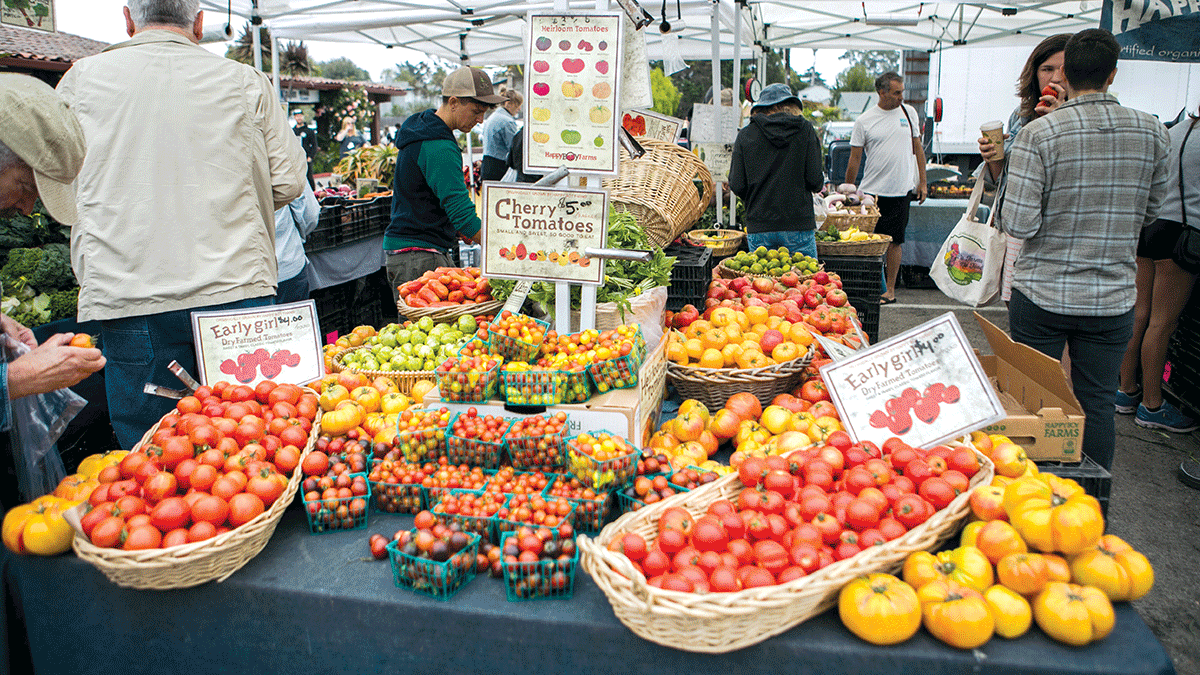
column 1073, row 614
column 965, row 565
column 1115, row 568
column 1053, row 514
column 1025, row 573
column 956, row 614
column 880, row 609
column 1011, row 612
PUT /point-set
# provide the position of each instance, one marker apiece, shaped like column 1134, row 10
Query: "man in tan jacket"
column 188, row 157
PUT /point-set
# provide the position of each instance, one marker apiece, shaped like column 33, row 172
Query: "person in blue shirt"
column 293, row 223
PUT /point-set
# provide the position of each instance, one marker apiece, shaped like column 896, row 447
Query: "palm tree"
column 293, row 59
column 242, row 51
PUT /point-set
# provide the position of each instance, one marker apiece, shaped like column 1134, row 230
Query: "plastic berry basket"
column 325, row 515
column 484, row 526
column 629, row 504
column 440, row 580
column 544, row 451
column 433, row 493
column 589, row 513
column 616, row 373
column 504, row 526
column 531, row 387
column 574, row 386
column 600, row 474
column 396, row 497
column 513, row 349
column 422, row 445
column 542, row 580
column 472, row 387
column 473, row 451
column 470, row 345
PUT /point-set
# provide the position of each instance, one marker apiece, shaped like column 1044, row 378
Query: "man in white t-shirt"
column 890, row 136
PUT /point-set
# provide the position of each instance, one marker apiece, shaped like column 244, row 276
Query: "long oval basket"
column 871, row 248
column 723, row 272
column 844, row 221
column 716, row 623
column 404, row 379
column 723, row 243
column 198, row 562
column 449, row 313
column 658, row 188
column 714, row 386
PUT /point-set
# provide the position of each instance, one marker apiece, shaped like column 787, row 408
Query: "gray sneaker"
column 1167, row 418
column 1127, row 404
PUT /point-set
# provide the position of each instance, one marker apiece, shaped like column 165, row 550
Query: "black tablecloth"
column 319, row 604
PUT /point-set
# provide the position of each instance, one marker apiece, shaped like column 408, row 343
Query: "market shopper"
column 188, row 156
column 431, row 207
column 889, row 135
column 498, row 132
column 348, row 137
column 1163, row 288
column 776, row 163
column 308, row 141
column 1082, row 183
column 293, row 224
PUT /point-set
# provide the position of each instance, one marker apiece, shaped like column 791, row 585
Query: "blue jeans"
column 1097, row 345
column 294, row 289
column 138, row 349
column 804, row 242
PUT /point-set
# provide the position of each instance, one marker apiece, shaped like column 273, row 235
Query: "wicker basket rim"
column 337, row 361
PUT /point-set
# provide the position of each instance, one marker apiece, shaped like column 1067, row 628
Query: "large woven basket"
column 714, row 386
column 723, row 272
column 723, row 243
column 404, row 379
column 450, row 313
column 199, row 562
column 871, row 248
column 844, row 221
column 658, row 189
column 723, row 622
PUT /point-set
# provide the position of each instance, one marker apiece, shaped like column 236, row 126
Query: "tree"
column 666, row 96
column 423, row 78
column 242, row 50
column 293, row 59
column 855, row 78
column 341, row 68
column 875, row 61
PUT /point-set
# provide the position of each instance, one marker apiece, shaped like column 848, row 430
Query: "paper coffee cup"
column 994, row 131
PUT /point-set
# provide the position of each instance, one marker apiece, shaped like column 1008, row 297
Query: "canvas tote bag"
column 968, row 265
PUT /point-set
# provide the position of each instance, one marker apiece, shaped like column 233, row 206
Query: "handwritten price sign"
column 280, row 343
column 541, row 233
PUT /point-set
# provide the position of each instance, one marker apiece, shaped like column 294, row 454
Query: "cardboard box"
column 1044, row 417
column 632, row 413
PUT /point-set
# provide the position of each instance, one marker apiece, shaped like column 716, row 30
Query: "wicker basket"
column 442, row 314
column 723, row 622
column 723, row 272
column 658, row 189
column 714, row 386
column 404, row 379
column 725, row 244
column 871, row 248
column 863, row 221
column 199, row 562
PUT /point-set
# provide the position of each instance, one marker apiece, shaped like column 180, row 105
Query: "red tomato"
column 937, row 491
column 203, row 477
column 160, row 486
column 862, row 514
column 910, row 510
column 265, row 487
column 107, row 533
column 293, row 435
column 142, row 537
column 243, row 508
column 210, row 509
column 94, row 516
column 170, row 514
column 175, row 537
column 201, row 530
column 262, row 391
column 724, row 580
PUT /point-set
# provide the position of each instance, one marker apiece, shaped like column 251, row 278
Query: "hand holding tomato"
column 1053, row 95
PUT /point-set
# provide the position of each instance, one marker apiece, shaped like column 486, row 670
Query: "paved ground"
column 1148, row 506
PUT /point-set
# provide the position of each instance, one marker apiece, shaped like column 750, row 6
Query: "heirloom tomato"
column 965, row 565
column 880, row 609
column 956, row 614
column 1053, row 514
column 1073, row 614
column 1010, row 611
column 1115, row 568
column 38, row 527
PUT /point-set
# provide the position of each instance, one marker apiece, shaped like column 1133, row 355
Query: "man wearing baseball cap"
column 41, row 151
column 431, row 207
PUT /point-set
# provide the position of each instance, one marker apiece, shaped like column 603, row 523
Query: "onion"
column 847, row 188
column 852, row 200
column 868, row 200
column 833, row 201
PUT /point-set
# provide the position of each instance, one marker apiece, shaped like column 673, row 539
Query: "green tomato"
column 412, row 363
column 451, row 336
column 406, row 348
column 387, row 339
column 403, row 335
column 439, row 329
column 467, row 324
column 430, row 364
column 417, row 337
column 424, row 352
column 425, row 324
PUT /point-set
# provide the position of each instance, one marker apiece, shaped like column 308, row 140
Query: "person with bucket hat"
column 776, row 165
column 431, row 207
column 41, row 151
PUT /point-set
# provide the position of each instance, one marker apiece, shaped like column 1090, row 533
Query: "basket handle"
column 637, row 581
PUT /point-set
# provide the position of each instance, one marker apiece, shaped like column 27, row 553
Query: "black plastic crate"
column 1092, row 477
column 690, row 276
column 343, row 221
column 862, row 276
column 335, row 307
column 915, row 276
column 868, row 315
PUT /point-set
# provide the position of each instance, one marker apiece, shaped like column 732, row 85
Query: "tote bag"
column 968, row 265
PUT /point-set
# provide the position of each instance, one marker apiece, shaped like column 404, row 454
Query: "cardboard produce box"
column 1044, row 417
column 632, row 413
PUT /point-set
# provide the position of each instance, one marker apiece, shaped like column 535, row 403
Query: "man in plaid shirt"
column 1083, row 182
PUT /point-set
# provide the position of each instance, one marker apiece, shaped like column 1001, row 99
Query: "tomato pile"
column 516, row 337
column 471, row 512
column 447, row 477
column 602, row 459
column 510, row 481
column 396, row 485
column 645, row 490
column 476, row 440
column 421, row 435
column 536, row 442
column 433, row 558
column 218, row 461
column 523, row 509
column 795, row 516
column 468, row 378
column 447, row 287
column 591, row 506
column 538, row 563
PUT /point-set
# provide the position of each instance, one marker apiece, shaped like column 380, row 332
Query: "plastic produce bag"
column 37, row 423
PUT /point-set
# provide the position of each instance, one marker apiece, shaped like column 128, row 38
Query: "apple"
column 540, row 66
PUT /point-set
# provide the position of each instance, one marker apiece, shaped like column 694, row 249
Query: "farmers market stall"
column 928, row 226
column 319, row 604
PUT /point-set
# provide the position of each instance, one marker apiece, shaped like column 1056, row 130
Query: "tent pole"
column 716, row 88
column 737, row 92
column 275, row 72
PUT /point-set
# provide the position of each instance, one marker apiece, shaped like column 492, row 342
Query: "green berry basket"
column 335, row 515
column 472, row 344
column 600, row 474
column 486, row 454
column 440, row 580
column 388, row 497
column 472, row 387
column 512, row 349
column 536, row 387
column 504, row 526
column 484, row 526
column 575, row 387
column 529, row 453
column 422, row 445
column 615, row 373
column 542, row 580
column 589, row 513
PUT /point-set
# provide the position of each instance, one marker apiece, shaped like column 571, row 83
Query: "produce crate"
column 690, row 276
column 542, row 580
column 868, row 315
column 335, row 308
column 575, row 387
column 329, row 221
column 373, row 300
column 440, row 580
column 532, row 387
column 323, row 513
column 472, row 450
column 446, row 381
column 862, row 276
column 346, row 221
column 1092, row 477
column 513, row 349
column 618, row 373
column 396, row 497
column 505, row 526
column 423, row 445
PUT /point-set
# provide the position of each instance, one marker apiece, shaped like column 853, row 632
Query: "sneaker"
column 1127, row 404
column 1167, row 418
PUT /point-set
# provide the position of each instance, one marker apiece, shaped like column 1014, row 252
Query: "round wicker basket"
column 714, row 386
column 844, row 221
column 723, row 622
column 723, row 243
column 199, row 562
column 658, row 189
column 872, row 248
column 404, row 379
column 723, row 272
column 449, row 313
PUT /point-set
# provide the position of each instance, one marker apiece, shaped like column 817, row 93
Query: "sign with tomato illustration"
column 573, row 70
column 540, row 233
column 924, row 386
column 281, row 343
column 642, row 122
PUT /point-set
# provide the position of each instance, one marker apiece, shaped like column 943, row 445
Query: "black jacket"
column 775, row 169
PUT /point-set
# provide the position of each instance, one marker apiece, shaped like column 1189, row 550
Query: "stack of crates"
column 690, row 276
column 862, row 279
column 1182, row 373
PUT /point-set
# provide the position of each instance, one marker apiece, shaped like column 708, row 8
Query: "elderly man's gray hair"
column 181, row 13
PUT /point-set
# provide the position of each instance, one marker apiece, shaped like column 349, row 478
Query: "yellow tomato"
column 368, row 397
column 332, row 395
column 1115, row 568
column 880, row 609
column 971, row 532
column 394, row 402
column 38, row 527
column 342, row 419
column 1053, row 514
column 76, row 487
column 956, row 614
column 92, row 465
column 965, row 565
column 1025, row 573
column 1073, row 614
column 1010, row 612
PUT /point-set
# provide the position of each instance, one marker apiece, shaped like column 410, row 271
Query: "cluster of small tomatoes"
column 799, row 514
column 223, row 457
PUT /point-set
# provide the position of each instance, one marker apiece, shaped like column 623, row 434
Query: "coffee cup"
column 994, row 131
